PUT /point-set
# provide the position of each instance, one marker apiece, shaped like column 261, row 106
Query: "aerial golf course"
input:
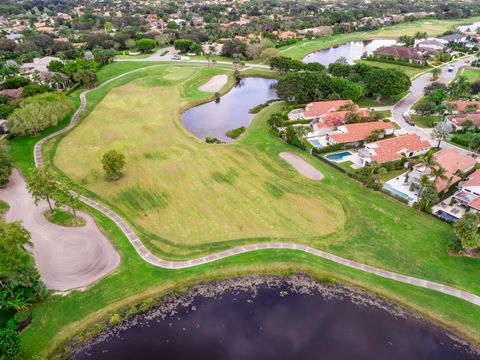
column 185, row 198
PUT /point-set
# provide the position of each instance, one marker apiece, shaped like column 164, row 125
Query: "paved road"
column 416, row 93
column 146, row 255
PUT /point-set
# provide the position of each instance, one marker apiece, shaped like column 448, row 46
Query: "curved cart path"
column 146, row 255
column 67, row 258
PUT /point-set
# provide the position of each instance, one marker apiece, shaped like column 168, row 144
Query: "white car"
column 408, row 119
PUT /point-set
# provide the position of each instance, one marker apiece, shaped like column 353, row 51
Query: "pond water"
column 276, row 319
column 352, row 51
column 215, row 119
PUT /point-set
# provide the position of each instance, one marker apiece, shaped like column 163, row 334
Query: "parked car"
column 408, row 118
column 450, row 68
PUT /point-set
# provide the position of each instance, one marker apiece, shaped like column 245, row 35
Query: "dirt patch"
column 216, row 83
column 301, row 166
column 67, row 258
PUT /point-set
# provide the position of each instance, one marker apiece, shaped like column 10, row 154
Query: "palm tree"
column 424, row 181
column 436, row 73
column 438, row 173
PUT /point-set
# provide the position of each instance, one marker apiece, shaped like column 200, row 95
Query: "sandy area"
column 67, row 258
column 301, row 166
column 216, row 83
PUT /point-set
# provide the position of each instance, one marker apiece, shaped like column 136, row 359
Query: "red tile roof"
column 473, row 179
column 460, row 119
column 401, row 52
column 452, row 160
column 475, row 203
column 338, row 118
column 391, row 149
column 319, row 108
column 358, row 132
column 462, row 105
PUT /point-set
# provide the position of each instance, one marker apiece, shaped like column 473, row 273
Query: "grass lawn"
column 3, row 208
column 408, row 70
column 471, row 74
column 371, row 102
column 391, row 174
column 425, row 121
column 431, row 26
column 139, row 115
column 64, row 218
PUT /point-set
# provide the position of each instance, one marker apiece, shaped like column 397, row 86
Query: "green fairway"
column 432, row 27
column 139, row 115
column 172, row 181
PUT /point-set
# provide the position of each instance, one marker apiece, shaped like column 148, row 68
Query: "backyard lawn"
column 426, row 121
column 185, row 198
column 472, row 75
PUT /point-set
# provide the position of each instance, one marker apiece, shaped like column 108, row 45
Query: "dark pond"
column 352, row 51
column 215, row 119
column 276, row 319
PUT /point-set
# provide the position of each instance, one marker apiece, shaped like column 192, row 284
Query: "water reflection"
column 214, row 119
column 352, row 51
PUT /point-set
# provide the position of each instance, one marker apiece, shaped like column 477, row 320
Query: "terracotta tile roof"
column 13, row 93
column 462, row 105
column 358, row 132
column 338, row 118
column 460, row 119
column 401, row 52
column 475, row 203
column 391, row 149
column 319, row 108
column 452, row 160
column 473, row 179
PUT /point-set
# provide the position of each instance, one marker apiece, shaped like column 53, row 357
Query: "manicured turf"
column 431, row 26
column 471, row 74
column 425, row 121
column 172, row 181
column 64, row 218
column 371, row 102
column 408, row 70
column 377, row 231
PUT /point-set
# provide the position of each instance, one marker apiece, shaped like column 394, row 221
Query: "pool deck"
column 398, row 183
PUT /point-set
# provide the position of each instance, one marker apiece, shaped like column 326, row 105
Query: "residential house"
column 450, row 159
column 317, row 31
column 392, row 149
column 468, row 195
column 464, row 106
column 326, row 115
column 15, row 94
column 456, row 121
column 454, row 38
column 415, row 55
column 433, row 44
column 358, row 132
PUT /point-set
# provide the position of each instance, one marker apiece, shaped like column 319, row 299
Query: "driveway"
column 66, row 257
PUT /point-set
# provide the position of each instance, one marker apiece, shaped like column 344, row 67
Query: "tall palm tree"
column 438, row 173
column 424, row 181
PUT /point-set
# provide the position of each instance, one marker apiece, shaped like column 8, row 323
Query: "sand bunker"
column 67, row 257
column 216, row 83
column 301, row 166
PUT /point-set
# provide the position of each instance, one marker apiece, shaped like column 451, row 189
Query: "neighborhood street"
column 416, row 93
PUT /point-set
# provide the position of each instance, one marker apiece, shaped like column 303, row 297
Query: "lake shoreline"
column 172, row 304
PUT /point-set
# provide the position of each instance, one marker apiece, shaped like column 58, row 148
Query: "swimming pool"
column 338, row 157
column 315, row 143
column 394, row 191
column 446, row 215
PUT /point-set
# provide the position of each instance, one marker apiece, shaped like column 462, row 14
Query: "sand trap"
column 67, row 258
column 301, row 166
column 216, row 83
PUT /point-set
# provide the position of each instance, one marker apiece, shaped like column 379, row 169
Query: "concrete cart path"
column 302, row 166
column 146, row 255
column 66, row 257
